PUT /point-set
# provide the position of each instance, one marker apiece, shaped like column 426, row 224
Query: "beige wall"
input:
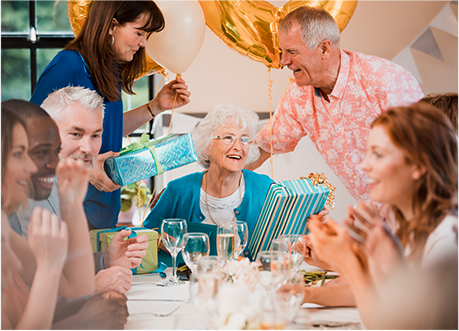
column 381, row 28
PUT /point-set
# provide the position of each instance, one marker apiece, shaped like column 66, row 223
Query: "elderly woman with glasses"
column 225, row 191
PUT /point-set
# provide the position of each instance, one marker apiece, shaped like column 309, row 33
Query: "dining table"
column 156, row 307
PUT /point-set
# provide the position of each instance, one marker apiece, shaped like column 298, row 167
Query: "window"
column 33, row 32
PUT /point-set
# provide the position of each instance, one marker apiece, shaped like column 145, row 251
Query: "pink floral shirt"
column 366, row 86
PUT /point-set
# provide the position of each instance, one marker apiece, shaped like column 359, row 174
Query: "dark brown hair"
column 9, row 121
column 92, row 44
column 446, row 102
column 427, row 139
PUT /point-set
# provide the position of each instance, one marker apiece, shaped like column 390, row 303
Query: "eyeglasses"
column 230, row 140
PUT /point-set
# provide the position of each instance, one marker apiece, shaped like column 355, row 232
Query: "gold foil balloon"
column 78, row 11
column 176, row 47
column 251, row 27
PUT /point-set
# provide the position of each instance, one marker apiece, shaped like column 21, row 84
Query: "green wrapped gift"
column 101, row 239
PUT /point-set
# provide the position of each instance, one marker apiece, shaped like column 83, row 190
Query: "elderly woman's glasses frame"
column 230, row 140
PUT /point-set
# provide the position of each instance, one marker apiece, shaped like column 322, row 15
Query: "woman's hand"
column 334, row 246
column 72, row 179
column 98, row 177
column 48, row 240
column 165, row 98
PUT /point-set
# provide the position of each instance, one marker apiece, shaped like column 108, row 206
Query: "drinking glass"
column 227, row 240
column 297, row 249
column 172, row 232
column 288, row 299
column 195, row 246
column 203, row 293
column 243, row 232
column 264, row 259
column 210, row 264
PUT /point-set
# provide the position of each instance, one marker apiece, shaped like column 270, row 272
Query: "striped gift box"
column 285, row 210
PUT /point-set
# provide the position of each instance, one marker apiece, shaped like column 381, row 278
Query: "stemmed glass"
column 227, row 240
column 297, row 249
column 195, row 246
column 172, row 233
column 243, row 232
column 264, row 259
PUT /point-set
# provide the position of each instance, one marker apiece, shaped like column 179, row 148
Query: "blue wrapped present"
column 287, row 207
column 149, row 158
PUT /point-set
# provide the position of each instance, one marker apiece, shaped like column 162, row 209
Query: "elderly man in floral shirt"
column 336, row 96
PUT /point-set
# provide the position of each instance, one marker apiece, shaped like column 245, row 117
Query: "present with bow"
column 101, row 239
column 148, row 158
column 287, row 207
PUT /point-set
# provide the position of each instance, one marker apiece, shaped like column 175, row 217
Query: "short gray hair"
column 57, row 101
column 224, row 114
column 316, row 26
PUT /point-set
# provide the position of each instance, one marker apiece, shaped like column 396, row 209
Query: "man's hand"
column 126, row 253
column 311, row 258
column 115, row 278
column 72, row 179
column 258, row 162
column 98, row 177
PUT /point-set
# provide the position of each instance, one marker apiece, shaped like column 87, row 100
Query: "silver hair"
column 316, row 26
column 224, row 114
column 57, row 101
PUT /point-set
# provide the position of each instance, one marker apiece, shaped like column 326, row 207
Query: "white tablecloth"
column 187, row 318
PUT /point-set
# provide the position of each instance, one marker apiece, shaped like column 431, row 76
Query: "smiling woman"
column 225, row 192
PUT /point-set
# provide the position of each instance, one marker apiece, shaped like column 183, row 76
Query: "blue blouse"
column 68, row 68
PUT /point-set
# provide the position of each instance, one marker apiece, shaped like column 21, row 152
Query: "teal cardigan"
column 181, row 199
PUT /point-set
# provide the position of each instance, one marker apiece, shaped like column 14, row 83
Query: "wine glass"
column 227, row 240
column 264, row 259
column 195, row 246
column 289, row 297
column 297, row 249
column 172, row 232
column 243, row 232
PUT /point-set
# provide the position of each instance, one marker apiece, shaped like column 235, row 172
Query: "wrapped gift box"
column 286, row 209
column 101, row 239
column 150, row 158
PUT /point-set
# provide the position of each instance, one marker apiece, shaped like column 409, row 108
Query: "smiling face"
column 306, row 64
column 81, row 133
column 10, row 260
column 129, row 38
column 19, row 168
column 44, row 148
column 392, row 179
column 229, row 158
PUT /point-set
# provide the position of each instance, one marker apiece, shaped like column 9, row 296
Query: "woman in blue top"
column 225, row 192
column 107, row 55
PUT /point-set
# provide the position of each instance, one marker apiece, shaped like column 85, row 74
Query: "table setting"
column 230, row 292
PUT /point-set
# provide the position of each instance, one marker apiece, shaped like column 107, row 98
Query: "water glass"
column 288, row 299
column 243, row 233
column 203, row 293
column 172, row 233
column 195, row 246
column 227, row 240
column 210, row 264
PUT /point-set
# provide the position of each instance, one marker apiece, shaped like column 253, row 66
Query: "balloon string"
column 148, row 205
column 173, row 106
column 270, row 90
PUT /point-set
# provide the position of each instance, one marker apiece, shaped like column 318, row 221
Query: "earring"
column 113, row 40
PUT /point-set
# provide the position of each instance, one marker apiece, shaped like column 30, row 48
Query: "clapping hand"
column 72, row 181
column 114, row 278
column 48, row 240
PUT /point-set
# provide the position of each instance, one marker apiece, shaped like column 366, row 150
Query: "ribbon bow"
column 143, row 143
column 321, row 179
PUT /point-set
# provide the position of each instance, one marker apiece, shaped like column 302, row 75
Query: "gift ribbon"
column 143, row 143
column 317, row 178
column 161, row 266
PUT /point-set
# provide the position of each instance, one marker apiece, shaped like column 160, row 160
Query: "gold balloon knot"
column 316, row 179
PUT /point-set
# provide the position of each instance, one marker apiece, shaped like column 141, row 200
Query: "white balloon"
column 176, row 47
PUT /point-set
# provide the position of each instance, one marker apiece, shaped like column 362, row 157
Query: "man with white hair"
column 336, row 96
column 78, row 113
